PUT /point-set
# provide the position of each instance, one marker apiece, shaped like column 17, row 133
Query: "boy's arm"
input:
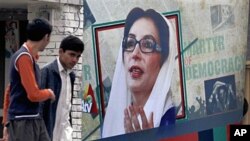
column 26, row 71
column 6, row 105
column 5, row 112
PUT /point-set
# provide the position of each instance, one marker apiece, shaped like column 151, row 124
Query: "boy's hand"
column 52, row 97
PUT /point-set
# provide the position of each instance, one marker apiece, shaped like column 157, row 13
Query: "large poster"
column 203, row 79
column 107, row 61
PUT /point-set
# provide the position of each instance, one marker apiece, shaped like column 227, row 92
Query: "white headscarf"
column 158, row 102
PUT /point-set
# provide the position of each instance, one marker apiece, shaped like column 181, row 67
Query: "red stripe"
column 186, row 137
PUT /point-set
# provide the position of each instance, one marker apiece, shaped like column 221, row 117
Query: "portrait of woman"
column 11, row 38
column 140, row 96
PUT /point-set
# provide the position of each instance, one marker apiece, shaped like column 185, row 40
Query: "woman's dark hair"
column 38, row 28
column 72, row 43
column 160, row 23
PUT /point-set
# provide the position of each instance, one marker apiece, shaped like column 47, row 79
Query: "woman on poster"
column 140, row 96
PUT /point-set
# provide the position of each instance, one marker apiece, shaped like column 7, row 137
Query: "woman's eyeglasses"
column 146, row 44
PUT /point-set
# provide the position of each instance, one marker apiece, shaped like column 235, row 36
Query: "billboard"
column 203, row 79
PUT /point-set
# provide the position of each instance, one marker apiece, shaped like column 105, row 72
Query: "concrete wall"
column 66, row 18
column 248, row 37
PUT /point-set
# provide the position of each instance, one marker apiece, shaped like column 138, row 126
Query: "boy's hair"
column 38, row 28
column 72, row 43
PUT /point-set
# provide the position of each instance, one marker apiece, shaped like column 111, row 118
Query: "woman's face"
column 142, row 68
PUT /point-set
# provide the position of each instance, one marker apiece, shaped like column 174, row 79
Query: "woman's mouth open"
column 135, row 72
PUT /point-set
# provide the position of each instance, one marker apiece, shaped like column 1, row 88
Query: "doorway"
column 5, row 55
